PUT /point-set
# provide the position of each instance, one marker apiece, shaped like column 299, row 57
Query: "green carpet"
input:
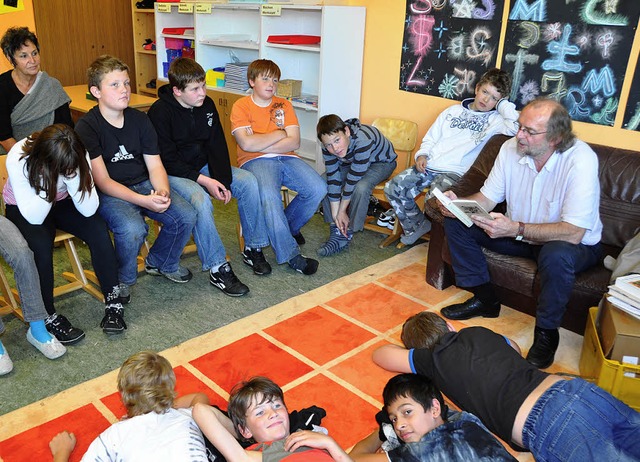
column 163, row 314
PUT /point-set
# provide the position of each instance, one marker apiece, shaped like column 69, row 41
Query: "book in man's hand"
column 462, row 208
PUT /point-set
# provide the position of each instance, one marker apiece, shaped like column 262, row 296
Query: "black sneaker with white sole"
column 304, row 265
column 61, row 328
column 225, row 280
column 256, row 260
column 113, row 321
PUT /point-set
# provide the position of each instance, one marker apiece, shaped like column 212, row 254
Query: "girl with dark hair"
column 50, row 187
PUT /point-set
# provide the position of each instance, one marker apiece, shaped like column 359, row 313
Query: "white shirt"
column 566, row 189
column 34, row 207
column 152, row 437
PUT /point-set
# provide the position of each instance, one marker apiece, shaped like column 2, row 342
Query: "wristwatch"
column 520, row 234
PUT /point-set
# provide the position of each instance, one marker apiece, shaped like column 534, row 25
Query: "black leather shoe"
column 470, row 309
column 545, row 344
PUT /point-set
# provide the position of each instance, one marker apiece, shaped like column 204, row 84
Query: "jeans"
column 244, row 187
column 272, row 173
column 16, row 252
column 126, row 221
column 558, row 263
column 577, row 421
column 210, row 248
column 92, row 230
column 359, row 204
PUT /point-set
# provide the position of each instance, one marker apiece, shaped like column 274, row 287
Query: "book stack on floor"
column 625, row 294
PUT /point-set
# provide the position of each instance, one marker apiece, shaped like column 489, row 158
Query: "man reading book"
column 550, row 182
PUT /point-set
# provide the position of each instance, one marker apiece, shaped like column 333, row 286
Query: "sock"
column 216, row 268
column 39, row 331
column 254, row 249
column 1, row 348
column 485, row 293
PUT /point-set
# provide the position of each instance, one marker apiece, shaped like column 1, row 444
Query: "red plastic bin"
column 294, row 39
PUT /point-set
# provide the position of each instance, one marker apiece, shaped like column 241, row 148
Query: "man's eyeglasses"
column 527, row 131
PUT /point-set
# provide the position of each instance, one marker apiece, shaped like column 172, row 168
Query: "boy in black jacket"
column 193, row 148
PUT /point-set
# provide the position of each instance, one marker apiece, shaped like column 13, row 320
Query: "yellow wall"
column 20, row 18
column 380, row 93
column 381, row 96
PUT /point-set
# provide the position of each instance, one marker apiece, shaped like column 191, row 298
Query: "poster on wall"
column 632, row 114
column 448, row 45
column 574, row 51
column 11, row 6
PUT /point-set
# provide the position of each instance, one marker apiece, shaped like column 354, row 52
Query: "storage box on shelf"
column 145, row 62
column 330, row 72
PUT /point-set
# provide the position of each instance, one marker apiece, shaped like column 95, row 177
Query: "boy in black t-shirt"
column 131, row 179
column 484, row 373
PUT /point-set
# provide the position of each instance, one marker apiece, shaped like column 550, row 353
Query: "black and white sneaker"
column 61, row 328
column 387, row 219
column 225, row 280
column 113, row 321
column 256, row 260
column 304, row 265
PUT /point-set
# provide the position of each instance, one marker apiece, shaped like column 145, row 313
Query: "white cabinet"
column 331, row 72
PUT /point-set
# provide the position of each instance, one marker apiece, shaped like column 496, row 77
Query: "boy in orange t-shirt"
column 267, row 132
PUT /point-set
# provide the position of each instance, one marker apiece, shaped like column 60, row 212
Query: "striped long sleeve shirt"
column 367, row 145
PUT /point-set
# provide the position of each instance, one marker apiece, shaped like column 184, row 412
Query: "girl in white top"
column 50, row 187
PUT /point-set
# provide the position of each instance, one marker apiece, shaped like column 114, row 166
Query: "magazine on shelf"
column 462, row 208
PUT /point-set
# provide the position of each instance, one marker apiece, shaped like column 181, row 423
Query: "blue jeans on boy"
column 578, row 421
column 359, row 203
column 126, row 221
column 210, row 247
column 16, row 252
column 272, row 173
column 244, row 187
column 558, row 263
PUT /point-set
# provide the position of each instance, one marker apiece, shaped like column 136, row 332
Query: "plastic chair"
column 403, row 135
column 79, row 278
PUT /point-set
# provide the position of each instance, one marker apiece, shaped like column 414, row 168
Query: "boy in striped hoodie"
column 357, row 157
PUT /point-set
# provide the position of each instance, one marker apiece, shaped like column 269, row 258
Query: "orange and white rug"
column 316, row 346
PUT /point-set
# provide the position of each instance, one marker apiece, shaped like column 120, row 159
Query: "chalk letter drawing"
column 591, row 16
column 421, row 38
column 557, row 80
column 560, row 49
column 608, row 113
column 520, row 59
column 595, row 82
column 522, row 11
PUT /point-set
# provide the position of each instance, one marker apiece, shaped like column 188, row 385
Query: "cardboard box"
column 619, row 333
column 289, row 88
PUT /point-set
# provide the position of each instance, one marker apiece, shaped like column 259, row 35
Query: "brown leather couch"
column 514, row 278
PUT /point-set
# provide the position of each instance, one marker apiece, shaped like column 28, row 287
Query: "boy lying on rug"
column 483, row 372
column 258, row 413
column 159, row 427
column 415, row 426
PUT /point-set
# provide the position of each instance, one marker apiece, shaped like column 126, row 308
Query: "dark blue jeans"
column 575, row 420
column 558, row 263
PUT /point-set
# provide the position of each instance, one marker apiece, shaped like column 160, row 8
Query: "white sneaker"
column 52, row 349
column 6, row 365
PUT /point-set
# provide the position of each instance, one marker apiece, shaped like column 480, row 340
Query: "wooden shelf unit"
column 330, row 71
column 144, row 60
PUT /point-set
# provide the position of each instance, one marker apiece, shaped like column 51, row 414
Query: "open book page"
column 462, row 208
